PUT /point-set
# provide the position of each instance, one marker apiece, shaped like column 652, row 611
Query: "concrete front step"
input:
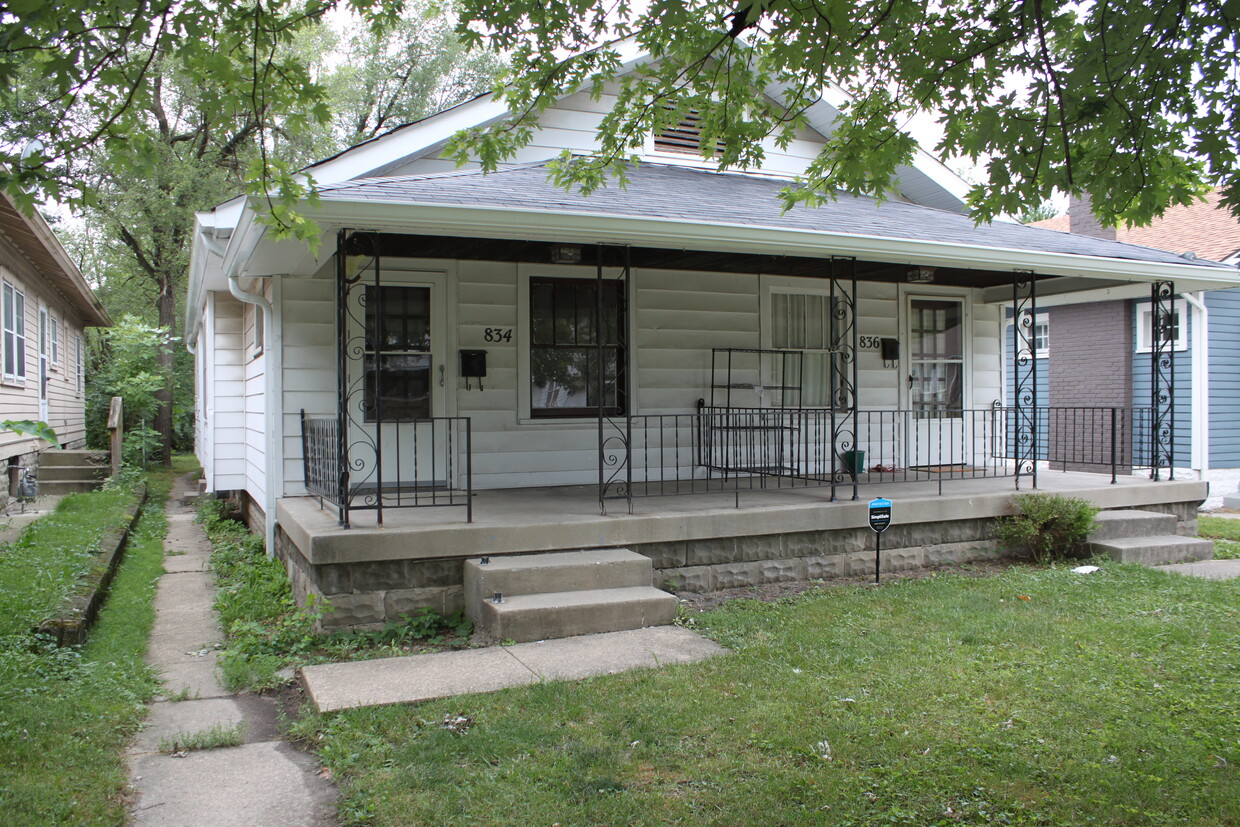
column 1156, row 550
column 1122, row 523
column 561, row 571
column 53, row 458
column 70, row 473
column 565, row 614
column 62, row 487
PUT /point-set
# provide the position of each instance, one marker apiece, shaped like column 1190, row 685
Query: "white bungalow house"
column 45, row 307
column 471, row 365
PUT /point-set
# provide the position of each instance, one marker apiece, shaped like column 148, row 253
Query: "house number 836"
column 497, row 334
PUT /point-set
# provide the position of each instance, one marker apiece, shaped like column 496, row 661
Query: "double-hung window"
column 802, row 321
column 54, row 329
column 13, row 309
column 81, row 364
column 567, row 332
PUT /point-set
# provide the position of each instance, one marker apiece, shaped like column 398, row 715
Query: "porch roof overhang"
column 678, row 208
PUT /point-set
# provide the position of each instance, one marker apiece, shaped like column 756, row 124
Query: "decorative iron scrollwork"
column 1163, row 330
column 615, row 425
column 1024, row 429
column 843, row 390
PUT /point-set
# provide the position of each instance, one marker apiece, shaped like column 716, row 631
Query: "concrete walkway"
column 265, row 781
column 336, row 686
column 1209, row 569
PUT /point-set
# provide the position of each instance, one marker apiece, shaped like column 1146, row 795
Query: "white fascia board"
column 405, row 142
column 1072, row 291
column 498, row 222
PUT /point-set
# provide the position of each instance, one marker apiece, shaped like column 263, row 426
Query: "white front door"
column 937, row 373
column 44, row 334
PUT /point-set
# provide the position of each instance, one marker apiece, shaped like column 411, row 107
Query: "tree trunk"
column 167, row 320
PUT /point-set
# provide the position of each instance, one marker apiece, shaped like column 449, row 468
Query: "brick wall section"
column 1090, row 366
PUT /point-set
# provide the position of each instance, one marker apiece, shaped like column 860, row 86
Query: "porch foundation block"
column 371, row 576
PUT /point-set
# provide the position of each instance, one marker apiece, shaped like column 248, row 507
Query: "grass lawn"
column 1225, row 532
column 66, row 714
column 1037, row 696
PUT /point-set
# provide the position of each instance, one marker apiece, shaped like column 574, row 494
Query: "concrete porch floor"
column 542, row 519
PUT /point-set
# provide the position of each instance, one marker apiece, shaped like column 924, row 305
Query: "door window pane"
column 936, row 370
column 398, row 359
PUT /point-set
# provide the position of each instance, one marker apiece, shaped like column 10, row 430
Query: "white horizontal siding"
column 677, row 317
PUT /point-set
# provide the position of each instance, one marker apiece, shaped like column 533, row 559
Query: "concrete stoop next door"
column 1147, row 537
column 71, row 472
column 562, row 594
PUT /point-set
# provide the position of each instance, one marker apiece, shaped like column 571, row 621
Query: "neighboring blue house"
column 1083, row 361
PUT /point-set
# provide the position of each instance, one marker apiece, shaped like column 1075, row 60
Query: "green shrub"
column 1047, row 526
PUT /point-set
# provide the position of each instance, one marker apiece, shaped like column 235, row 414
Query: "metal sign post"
column 880, row 519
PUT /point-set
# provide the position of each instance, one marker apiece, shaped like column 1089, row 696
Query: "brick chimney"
column 1082, row 222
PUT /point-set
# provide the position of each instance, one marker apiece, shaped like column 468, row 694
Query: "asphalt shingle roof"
column 706, row 196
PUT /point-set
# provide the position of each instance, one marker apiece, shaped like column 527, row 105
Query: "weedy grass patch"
column 66, row 713
column 1225, row 533
column 1038, row 696
column 266, row 630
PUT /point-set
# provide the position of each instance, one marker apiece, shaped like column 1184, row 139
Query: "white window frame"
column 1145, row 321
column 522, row 338
column 80, row 363
column 1042, row 320
column 53, row 332
column 258, row 330
column 13, row 333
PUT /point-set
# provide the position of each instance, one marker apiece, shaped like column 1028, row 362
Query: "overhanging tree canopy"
column 1133, row 103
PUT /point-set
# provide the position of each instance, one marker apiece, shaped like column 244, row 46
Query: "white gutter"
column 1201, row 384
column 274, row 433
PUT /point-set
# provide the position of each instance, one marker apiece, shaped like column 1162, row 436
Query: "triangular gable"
column 415, row 148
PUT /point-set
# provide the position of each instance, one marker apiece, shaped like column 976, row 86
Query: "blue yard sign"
column 880, row 519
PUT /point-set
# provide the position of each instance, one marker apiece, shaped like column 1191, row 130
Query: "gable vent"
column 685, row 138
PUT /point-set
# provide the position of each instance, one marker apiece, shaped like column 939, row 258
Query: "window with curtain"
column 802, row 321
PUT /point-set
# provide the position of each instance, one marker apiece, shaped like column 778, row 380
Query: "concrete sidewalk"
column 1209, row 569
column 264, row 781
column 336, row 686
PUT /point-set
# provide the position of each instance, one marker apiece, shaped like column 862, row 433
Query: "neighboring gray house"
column 1099, row 350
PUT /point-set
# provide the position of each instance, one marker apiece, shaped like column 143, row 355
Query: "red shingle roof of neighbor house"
column 1205, row 228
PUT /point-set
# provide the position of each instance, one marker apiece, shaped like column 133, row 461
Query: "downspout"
column 269, row 415
column 1201, row 384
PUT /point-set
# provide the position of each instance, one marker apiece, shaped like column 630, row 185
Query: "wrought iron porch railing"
column 320, row 457
column 422, row 463
column 751, row 449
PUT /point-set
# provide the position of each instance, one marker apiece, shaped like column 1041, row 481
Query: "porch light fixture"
column 565, row 254
column 921, row 275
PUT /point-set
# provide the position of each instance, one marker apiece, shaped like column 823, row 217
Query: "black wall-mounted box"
column 473, row 364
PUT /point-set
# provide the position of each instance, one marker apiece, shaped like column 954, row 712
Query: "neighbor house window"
column 54, row 328
column 1177, row 332
column 14, row 312
column 81, row 364
column 258, row 331
column 564, row 347
column 397, row 353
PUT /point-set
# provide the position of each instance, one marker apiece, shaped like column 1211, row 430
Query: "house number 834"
column 497, row 334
